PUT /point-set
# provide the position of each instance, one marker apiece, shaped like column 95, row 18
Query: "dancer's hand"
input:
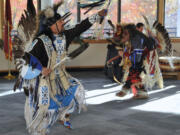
column 20, row 62
column 46, row 71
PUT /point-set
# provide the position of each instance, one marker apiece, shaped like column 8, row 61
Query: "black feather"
column 17, row 84
column 95, row 4
column 26, row 91
column 108, row 33
column 66, row 15
column 56, row 6
column 88, row 10
column 111, row 24
column 31, row 8
column 79, row 50
column 1, row 44
column 155, row 24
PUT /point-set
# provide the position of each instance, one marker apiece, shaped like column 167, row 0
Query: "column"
column 78, row 12
column 178, row 20
column 1, row 17
column 160, row 11
column 119, row 11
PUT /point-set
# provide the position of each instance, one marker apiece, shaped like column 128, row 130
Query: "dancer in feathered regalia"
column 51, row 93
column 133, row 60
column 140, row 59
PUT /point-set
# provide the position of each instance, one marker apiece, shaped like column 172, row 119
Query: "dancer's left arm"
column 83, row 26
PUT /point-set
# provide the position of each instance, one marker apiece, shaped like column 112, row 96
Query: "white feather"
column 21, row 33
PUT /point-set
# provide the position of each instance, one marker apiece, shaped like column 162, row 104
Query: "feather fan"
column 162, row 38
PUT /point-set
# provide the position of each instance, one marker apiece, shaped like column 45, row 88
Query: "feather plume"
column 49, row 12
column 25, row 30
column 79, row 50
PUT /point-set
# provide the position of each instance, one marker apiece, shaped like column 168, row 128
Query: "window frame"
column 160, row 15
column 1, row 18
column 162, row 19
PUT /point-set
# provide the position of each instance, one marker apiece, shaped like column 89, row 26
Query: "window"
column 96, row 31
column 17, row 8
column 172, row 17
column 132, row 11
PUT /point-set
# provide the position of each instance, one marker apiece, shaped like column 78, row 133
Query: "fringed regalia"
column 52, row 97
column 140, row 60
column 133, row 62
column 57, row 95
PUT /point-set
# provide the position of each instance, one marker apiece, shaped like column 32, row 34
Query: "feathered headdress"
column 49, row 16
column 30, row 25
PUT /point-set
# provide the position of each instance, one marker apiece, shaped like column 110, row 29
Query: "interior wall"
column 4, row 62
column 94, row 56
column 176, row 47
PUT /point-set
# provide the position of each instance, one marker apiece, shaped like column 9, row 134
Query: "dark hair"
column 52, row 20
column 138, row 25
column 44, row 24
column 130, row 27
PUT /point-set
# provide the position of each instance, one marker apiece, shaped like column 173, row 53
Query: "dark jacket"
column 39, row 49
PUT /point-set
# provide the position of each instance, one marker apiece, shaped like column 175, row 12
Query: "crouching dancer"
column 53, row 93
